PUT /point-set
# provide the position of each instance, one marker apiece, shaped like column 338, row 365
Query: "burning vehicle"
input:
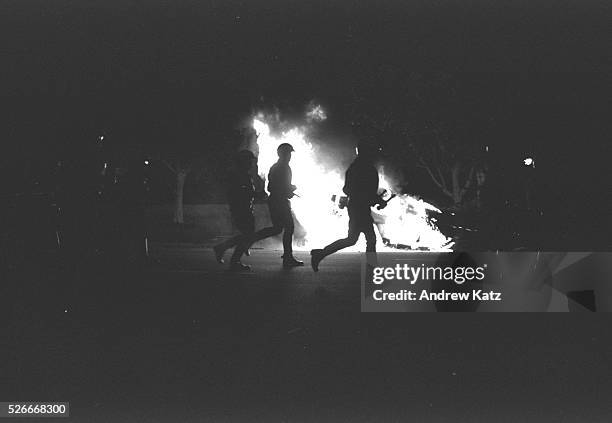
column 320, row 206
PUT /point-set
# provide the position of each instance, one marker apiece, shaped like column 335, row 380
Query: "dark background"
column 185, row 338
column 193, row 66
column 530, row 79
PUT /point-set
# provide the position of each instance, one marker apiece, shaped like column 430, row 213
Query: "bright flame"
column 403, row 222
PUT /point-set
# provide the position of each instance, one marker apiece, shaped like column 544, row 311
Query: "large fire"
column 404, row 222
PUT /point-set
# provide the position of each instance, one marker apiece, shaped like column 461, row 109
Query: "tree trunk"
column 178, row 204
column 456, row 188
column 460, row 187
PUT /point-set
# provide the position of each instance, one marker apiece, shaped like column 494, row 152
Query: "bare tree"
column 434, row 122
column 451, row 164
column 180, row 168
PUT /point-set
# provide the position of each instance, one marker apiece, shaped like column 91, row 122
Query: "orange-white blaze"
column 404, row 221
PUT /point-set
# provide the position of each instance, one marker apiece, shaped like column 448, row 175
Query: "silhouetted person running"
column 281, row 190
column 361, row 187
column 240, row 196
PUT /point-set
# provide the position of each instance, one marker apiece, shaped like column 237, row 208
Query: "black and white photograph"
column 300, row 211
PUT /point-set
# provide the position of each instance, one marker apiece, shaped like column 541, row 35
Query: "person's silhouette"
column 281, row 191
column 361, row 187
column 241, row 193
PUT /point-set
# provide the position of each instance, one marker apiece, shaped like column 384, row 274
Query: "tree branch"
column 169, row 166
column 441, row 177
column 468, row 182
column 428, row 169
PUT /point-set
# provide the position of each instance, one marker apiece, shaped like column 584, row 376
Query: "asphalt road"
column 187, row 341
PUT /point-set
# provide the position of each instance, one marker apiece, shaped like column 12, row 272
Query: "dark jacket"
column 240, row 191
column 279, row 181
column 361, row 182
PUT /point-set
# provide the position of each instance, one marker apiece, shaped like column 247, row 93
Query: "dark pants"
column 282, row 221
column 360, row 220
column 245, row 223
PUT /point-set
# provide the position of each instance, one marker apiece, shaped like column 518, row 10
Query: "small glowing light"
column 529, row 161
column 146, row 162
column 66, row 311
column 487, row 148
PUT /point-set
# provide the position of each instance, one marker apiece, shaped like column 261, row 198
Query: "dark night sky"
column 140, row 61
column 155, row 71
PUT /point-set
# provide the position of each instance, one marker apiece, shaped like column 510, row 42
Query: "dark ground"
column 187, row 341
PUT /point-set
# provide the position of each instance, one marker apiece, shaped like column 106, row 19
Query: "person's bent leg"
column 245, row 223
column 318, row 255
column 350, row 240
column 246, row 243
column 371, row 259
column 235, row 264
column 353, row 236
column 262, row 234
column 225, row 245
column 242, row 246
column 230, row 242
column 370, row 237
column 340, row 244
column 247, row 228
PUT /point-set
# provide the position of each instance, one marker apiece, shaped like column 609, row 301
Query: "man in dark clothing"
column 361, row 187
column 240, row 195
column 281, row 190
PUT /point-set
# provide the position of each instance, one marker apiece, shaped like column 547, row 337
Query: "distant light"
column 66, row 311
column 487, row 148
column 146, row 162
column 101, row 137
column 528, row 161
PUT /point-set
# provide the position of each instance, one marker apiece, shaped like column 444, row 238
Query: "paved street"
column 187, row 341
